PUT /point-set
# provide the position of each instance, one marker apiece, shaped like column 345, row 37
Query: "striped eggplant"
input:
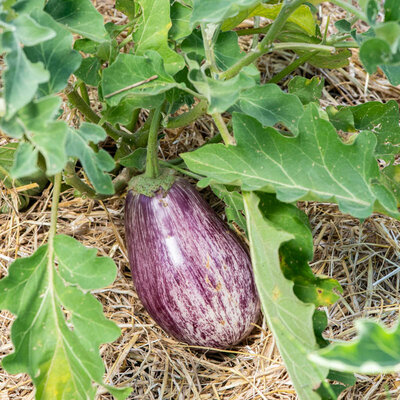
column 191, row 272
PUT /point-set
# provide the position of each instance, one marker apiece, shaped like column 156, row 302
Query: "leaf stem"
column 152, row 167
column 223, row 130
column 305, row 46
column 84, row 92
column 72, row 179
column 78, row 102
column 188, row 117
column 292, row 67
column 54, row 217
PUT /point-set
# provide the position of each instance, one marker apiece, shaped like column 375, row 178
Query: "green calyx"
column 147, row 186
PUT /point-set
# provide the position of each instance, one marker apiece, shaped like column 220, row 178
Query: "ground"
column 155, row 365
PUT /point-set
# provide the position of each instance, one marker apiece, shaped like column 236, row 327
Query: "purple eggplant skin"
column 190, row 271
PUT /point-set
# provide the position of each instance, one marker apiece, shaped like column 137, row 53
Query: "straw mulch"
column 155, row 365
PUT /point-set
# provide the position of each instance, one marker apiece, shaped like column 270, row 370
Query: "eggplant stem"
column 152, row 167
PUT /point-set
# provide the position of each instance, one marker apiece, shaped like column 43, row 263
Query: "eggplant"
column 191, row 272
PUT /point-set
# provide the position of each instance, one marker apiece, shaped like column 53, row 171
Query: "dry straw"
column 158, row 367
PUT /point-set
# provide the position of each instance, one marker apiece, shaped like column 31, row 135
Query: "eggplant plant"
column 274, row 146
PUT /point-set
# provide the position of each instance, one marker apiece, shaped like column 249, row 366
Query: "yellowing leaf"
column 302, row 17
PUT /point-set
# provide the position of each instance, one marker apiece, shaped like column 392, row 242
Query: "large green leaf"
column 59, row 351
column 180, row 18
column 298, row 252
column 315, row 165
column 79, row 16
column 302, row 17
column 47, row 136
column 152, row 33
column 289, row 319
column 22, row 76
column 216, row 11
column 129, row 69
column 94, row 164
column 375, row 350
column 29, row 32
column 56, row 54
column 270, row 105
column 380, row 118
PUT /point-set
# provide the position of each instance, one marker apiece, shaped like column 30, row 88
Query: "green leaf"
column 25, row 161
column 59, row 351
column 270, row 105
column 56, row 54
column 136, row 160
column 298, row 252
column 22, row 77
column 390, row 33
column 152, row 33
column 302, row 17
column 30, row 33
column 51, row 143
column 127, row 7
column 79, row 265
column 220, row 94
column 129, row 69
column 180, row 18
column 375, row 350
column 392, row 10
column 47, row 135
column 315, row 165
column 108, row 51
column 234, row 209
column 88, row 72
column 27, row 6
column 86, row 45
column 94, row 164
column 289, row 319
column 79, row 16
column 122, row 113
column 380, row 118
column 374, row 52
column 343, row 26
column 392, row 72
column 391, row 179
column 307, row 90
column 216, row 11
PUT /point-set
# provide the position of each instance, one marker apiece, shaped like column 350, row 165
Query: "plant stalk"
column 188, row 117
column 84, row 92
column 72, row 179
column 292, row 67
column 78, row 102
column 152, row 167
column 53, row 222
column 223, row 130
column 302, row 46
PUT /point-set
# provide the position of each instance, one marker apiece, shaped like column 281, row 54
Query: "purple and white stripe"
column 190, row 271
